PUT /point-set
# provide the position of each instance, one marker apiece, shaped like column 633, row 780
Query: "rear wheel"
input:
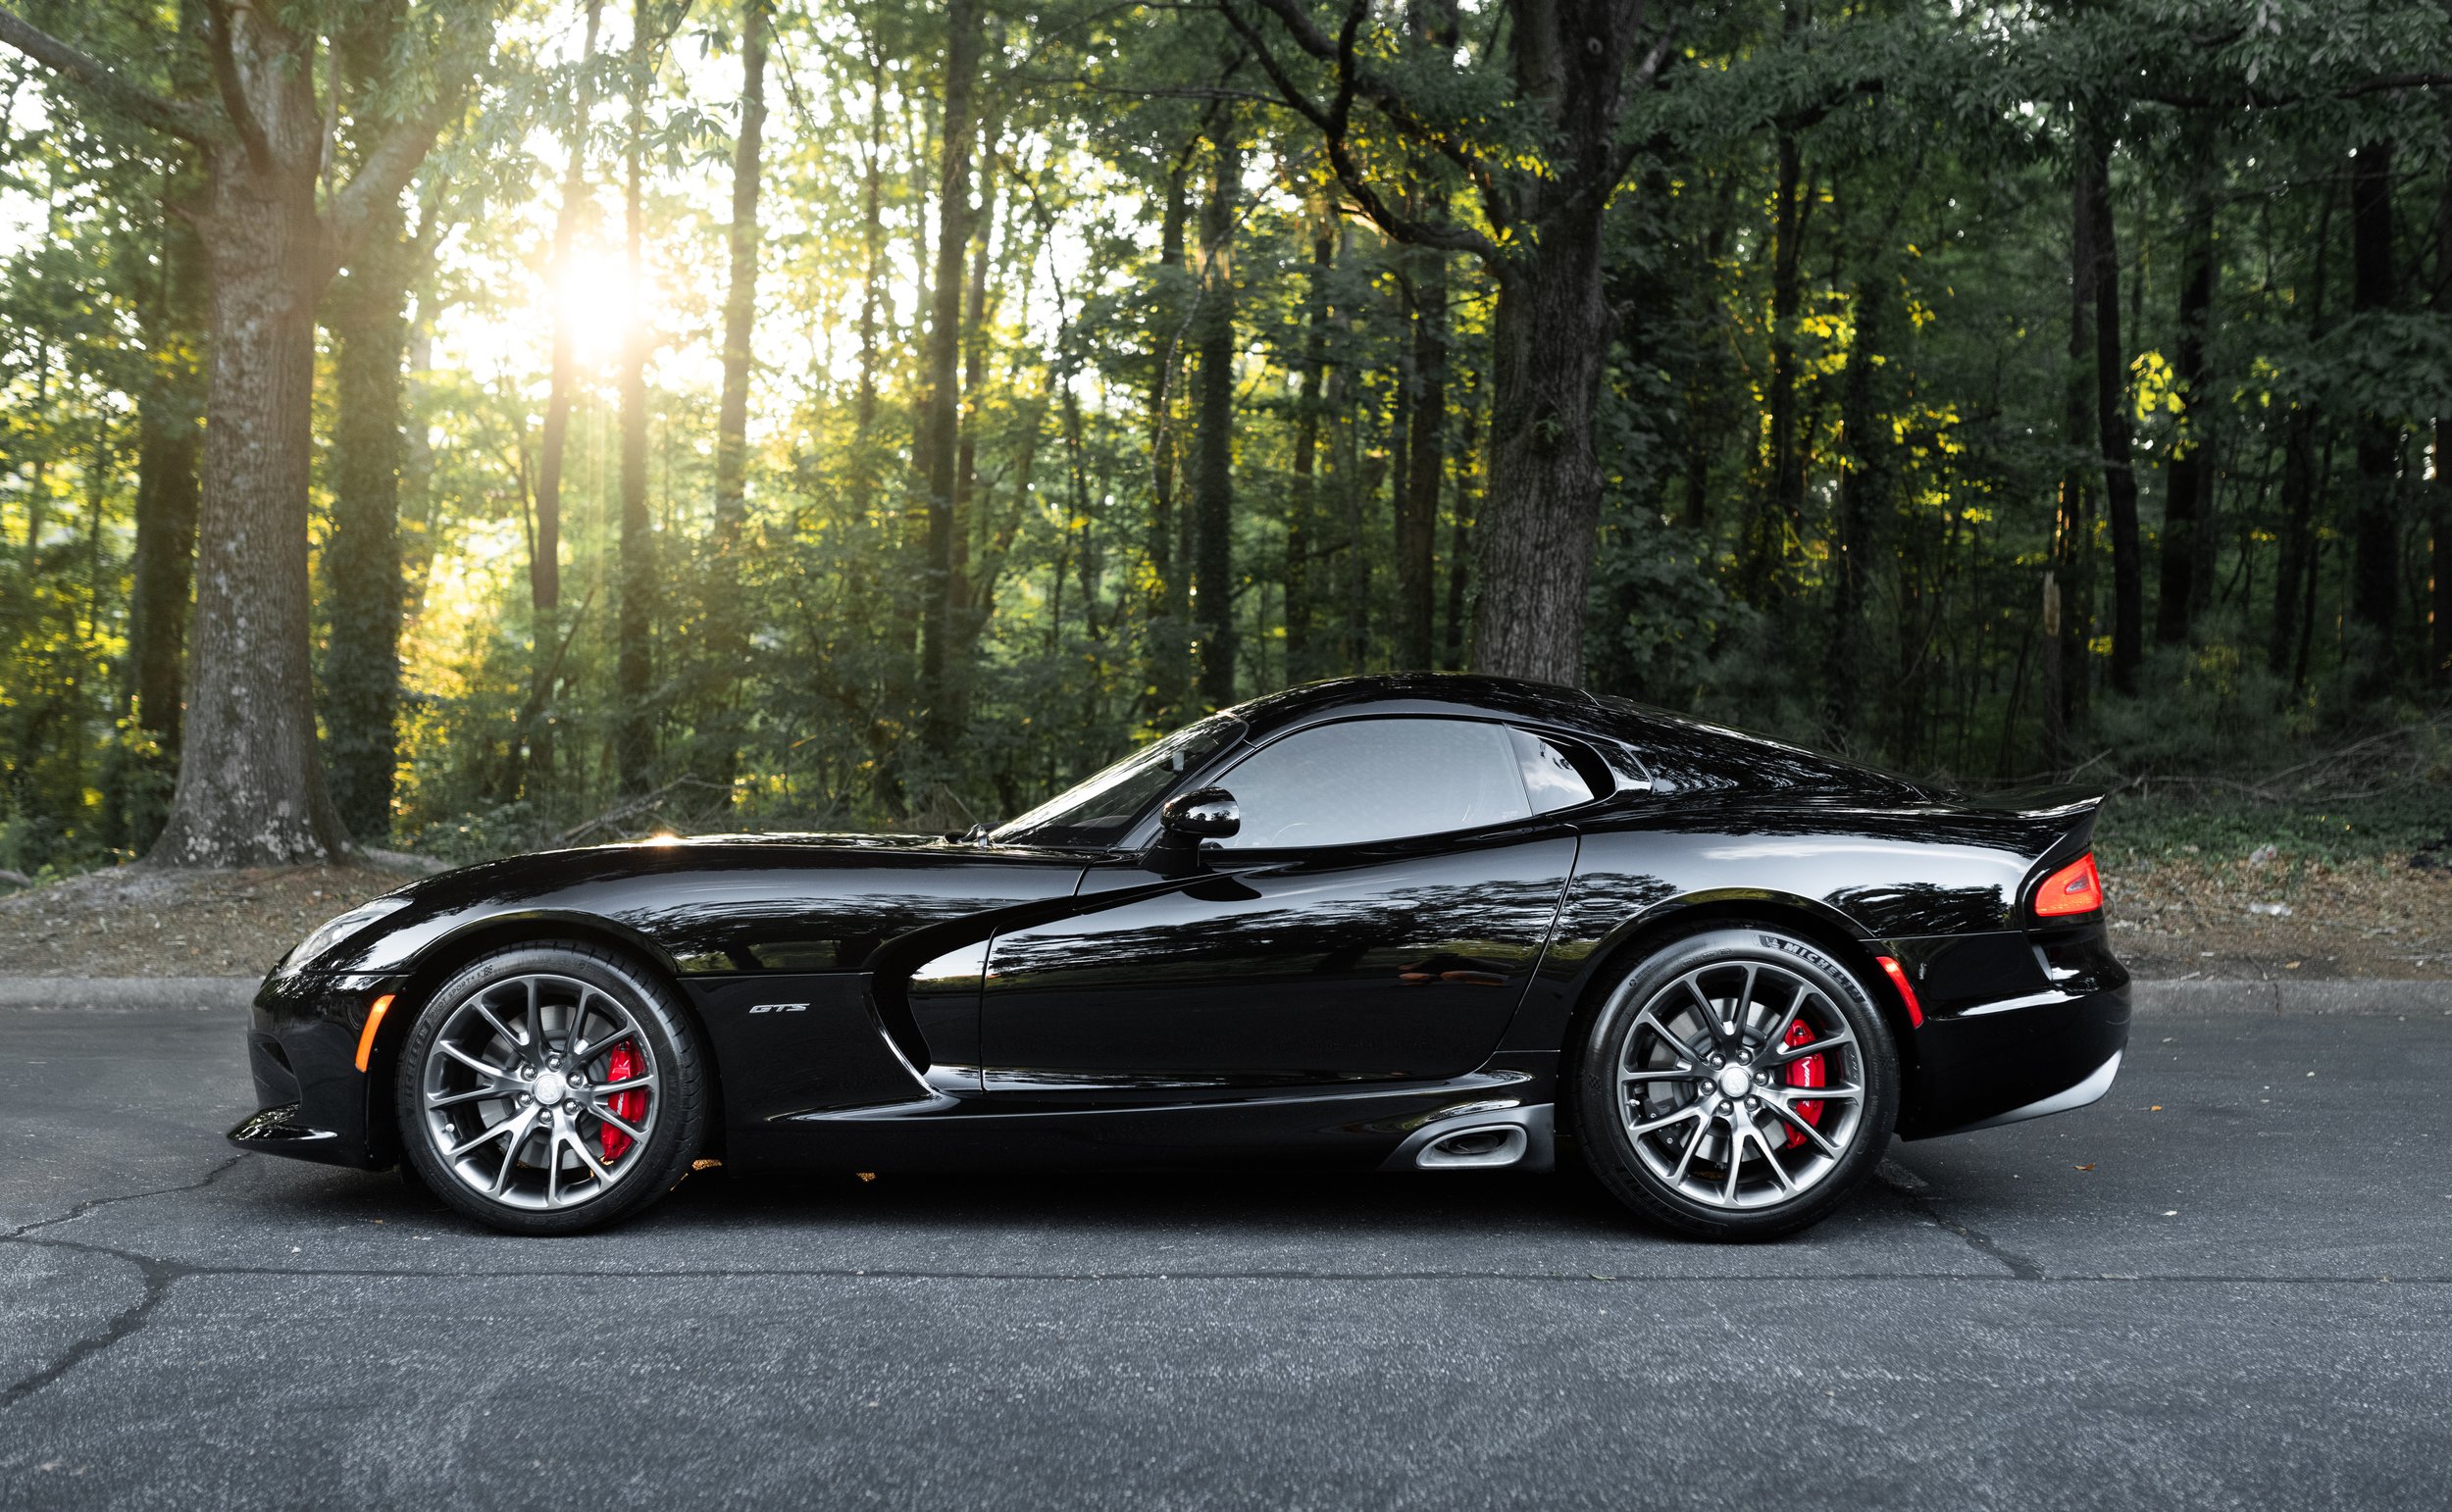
column 552, row 1089
column 1737, row 1084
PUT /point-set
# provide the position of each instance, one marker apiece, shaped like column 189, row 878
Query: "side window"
column 1553, row 780
column 1381, row 779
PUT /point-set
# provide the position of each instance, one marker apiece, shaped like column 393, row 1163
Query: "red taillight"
column 2073, row 889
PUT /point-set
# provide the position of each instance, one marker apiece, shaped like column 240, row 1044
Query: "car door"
column 1377, row 917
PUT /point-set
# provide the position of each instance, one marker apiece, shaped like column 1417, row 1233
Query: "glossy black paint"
column 962, row 1004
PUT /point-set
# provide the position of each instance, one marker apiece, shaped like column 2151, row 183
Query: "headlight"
column 333, row 929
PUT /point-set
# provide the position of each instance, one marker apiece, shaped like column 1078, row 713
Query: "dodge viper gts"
column 1395, row 923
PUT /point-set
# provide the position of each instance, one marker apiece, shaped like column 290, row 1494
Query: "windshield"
column 1097, row 811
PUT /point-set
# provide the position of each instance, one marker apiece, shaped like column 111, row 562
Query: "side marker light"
column 1907, row 990
column 374, row 1021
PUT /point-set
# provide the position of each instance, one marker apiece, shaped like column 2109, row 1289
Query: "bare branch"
column 1385, row 99
column 1335, row 124
column 104, row 82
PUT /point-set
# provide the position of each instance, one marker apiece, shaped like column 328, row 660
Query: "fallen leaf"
column 2085, row 1168
column 2157, row 1108
column 867, row 1175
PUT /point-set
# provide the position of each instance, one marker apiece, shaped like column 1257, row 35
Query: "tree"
column 1213, row 431
column 251, row 788
column 941, row 415
column 533, row 742
column 1571, row 64
column 727, row 638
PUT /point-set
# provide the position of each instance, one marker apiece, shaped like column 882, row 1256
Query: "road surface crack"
column 158, row 1276
column 96, row 1204
column 1912, row 1189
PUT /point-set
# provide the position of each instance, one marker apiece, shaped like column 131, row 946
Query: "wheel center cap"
column 1735, row 1081
column 549, row 1088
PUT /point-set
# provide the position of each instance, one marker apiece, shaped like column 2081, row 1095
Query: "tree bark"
column 1778, row 506
column 1425, row 464
column 2188, row 480
column 1461, row 539
column 634, row 672
column 727, row 630
column 168, row 445
column 941, row 411
column 535, row 756
column 1213, row 480
column 2375, row 564
column 2112, row 427
column 1534, row 540
column 367, row 311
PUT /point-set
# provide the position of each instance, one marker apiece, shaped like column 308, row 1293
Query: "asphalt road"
column 2228, row 1285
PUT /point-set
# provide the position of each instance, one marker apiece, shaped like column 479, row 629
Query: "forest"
column 459, row 425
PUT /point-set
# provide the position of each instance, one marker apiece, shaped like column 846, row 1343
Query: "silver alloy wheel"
column 519, row 1080
column 1710, row 1084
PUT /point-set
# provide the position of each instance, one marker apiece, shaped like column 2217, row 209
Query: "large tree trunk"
column 536, row 754
column 2188, row 481
column 941, row 413
column 633, row 670
column 1534, row 540
column 2375, row 566
column 251, row 789
column 2111, row 429
column 368, row 316
column 1212, row 471
column 727, row 630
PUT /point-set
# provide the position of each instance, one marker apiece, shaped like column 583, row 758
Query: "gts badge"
column 779, row 1008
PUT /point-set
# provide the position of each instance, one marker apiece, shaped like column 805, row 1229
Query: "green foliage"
column 1932, row 146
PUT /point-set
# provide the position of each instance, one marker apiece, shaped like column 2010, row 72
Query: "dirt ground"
column 135, row 922
column 2180, row 917
column 2171, row 918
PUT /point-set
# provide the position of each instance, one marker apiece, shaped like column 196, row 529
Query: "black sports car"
column 1396, row 921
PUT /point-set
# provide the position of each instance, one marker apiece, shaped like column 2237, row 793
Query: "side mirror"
column 1202, row 814
column 1184, row 821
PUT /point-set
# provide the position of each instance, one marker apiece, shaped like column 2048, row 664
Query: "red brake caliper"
column 623, row 1064
column 1807, row 1072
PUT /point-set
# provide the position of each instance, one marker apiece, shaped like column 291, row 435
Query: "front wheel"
column 1737, row 1084
column 551, row 1088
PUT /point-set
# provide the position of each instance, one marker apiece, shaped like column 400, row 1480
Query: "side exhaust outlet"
column 1501, row 1145
column 1481, row 1138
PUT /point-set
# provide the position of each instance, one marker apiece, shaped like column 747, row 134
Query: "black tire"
column 624, row 1007
column 1783, row 1178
